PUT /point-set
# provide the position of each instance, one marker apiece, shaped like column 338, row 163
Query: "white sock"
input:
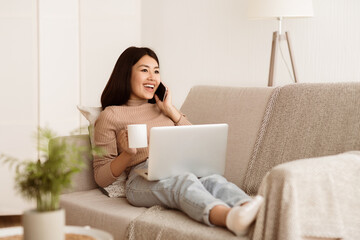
column 240, row 218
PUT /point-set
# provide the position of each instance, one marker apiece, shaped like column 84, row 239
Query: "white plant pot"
column 44, row 225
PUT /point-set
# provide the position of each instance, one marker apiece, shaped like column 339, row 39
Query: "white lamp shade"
column 280, row 8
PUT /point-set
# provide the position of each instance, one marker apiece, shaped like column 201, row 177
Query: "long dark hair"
column 118, row 89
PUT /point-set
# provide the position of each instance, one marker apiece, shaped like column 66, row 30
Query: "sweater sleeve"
column 105, row 138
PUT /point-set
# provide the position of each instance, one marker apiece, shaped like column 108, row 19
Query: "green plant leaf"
column 46, row 178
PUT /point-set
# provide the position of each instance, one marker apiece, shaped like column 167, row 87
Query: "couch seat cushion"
column 92, row 208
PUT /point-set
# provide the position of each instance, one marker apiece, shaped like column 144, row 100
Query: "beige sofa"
column 314, row 197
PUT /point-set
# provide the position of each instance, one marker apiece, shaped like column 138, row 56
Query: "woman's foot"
column 240, row 218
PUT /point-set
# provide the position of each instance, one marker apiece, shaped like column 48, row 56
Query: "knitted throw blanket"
column 304, row 121
column 314, row 198
column 160, row 223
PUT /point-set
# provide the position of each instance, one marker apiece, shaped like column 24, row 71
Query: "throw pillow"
column 117, row 188
column 91, row 114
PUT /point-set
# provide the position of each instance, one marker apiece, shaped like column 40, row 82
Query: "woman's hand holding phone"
column 166, row 106
column 161, row 91
column 165, row 102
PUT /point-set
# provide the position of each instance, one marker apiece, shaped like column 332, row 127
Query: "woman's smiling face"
column 145, row 78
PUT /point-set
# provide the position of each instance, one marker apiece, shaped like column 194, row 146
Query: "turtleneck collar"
column 136, row 102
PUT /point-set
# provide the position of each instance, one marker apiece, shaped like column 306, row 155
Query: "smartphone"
column 160, row 92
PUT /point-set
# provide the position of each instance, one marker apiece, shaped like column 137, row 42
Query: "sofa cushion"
column 242, row 108
column 306, row 120
column 92, row 208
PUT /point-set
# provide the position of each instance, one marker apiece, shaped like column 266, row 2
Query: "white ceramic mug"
column 137, row 135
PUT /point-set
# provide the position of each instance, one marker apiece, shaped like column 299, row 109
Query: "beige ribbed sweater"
column 115, row 118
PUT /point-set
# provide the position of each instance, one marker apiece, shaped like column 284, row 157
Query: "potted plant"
column 44, row 180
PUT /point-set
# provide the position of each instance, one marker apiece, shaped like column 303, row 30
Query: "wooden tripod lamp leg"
column 272, row 59
column 291, row 56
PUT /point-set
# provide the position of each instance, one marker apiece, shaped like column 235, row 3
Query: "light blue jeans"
column 193, row 196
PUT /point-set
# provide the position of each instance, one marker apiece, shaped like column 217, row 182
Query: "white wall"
column 212, row 42
column 55, row 54
column 18, row 92
column 107, row 28
column 80, row 42
column 59, row 64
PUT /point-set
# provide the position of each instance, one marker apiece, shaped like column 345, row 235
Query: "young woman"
column 125, row 100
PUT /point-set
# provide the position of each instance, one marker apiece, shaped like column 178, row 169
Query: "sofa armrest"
column 313, row 197
column 83, row 180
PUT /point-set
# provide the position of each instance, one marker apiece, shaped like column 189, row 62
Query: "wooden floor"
column 10, row 221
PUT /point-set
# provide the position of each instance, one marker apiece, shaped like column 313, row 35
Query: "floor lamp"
column 280, row 9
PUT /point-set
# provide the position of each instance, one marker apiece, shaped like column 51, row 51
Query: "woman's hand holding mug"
column 133, row 137
column 123, row 140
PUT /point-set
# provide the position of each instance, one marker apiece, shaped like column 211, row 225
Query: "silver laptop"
column 199, row 149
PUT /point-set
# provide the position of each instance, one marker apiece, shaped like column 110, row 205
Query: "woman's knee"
column 214, row 177
column 187, row 176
